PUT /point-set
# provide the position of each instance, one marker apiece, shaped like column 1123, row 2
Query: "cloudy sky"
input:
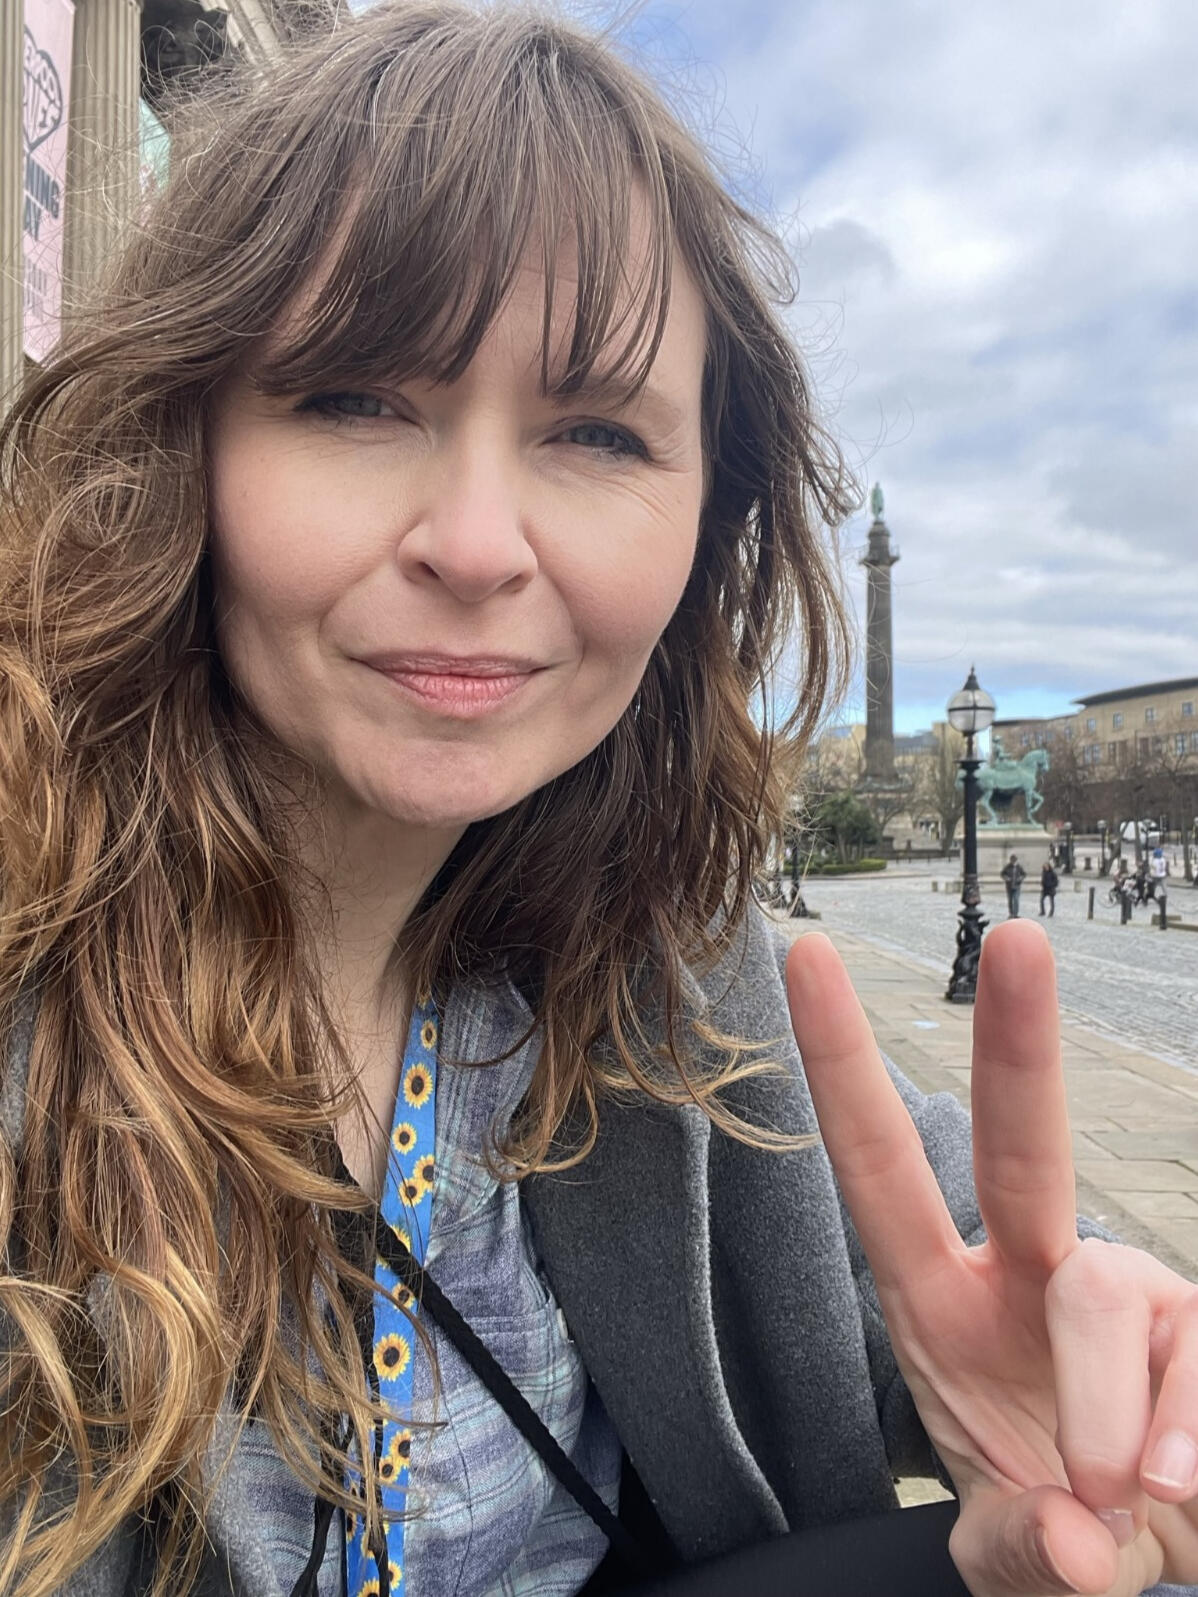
column 994, row 206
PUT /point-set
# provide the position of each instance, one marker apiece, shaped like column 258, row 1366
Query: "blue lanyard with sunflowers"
column 406, row 1208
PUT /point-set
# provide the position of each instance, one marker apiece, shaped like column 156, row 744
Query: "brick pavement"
column 1136, row 983
column 1134, row 1115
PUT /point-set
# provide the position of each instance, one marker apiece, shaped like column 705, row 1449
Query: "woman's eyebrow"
column 651, row 404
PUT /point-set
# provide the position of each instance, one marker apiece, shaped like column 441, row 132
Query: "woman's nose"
column 469, row 534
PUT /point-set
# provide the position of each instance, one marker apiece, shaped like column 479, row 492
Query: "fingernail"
column 1049, row 1562
column 1121, row 1523
column 1173, row 1461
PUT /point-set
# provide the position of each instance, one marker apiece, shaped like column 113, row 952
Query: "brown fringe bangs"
column 457, row 177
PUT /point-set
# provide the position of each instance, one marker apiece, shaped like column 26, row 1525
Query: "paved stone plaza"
column 1132, row 1080
column 1136, row 982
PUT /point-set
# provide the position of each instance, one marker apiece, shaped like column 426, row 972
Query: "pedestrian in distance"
column 1013, row 874
column 1048, row 888
column 394, row 557
column 1118, row 877
column 1140, row 882
column 1158, row 873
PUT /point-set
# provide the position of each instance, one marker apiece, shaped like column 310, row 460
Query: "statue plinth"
column 1032, row 842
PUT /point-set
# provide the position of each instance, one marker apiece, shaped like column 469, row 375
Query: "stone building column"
column 12, row 189
column 102, row 157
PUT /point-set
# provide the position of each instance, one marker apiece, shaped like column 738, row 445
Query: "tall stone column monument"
column 879, row 659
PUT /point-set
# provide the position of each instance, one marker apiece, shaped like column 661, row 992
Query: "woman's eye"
column 600, row 438
column 346, row 406
column 606, row 440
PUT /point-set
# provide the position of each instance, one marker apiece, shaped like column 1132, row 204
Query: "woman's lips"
column 460, row 693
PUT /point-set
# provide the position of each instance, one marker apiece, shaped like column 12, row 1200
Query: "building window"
column 1187, row 707
column 1025, row 740
column 1091, row 723
column 1150, row 714
column 1069, row 734
column 1194, row 742
column 1110, row 752
column 1095, row 753
column 1117, row 719
column 1179, row 743
column 1157, row 745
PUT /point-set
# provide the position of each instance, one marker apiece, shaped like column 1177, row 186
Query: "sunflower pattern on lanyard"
column 406, row 1208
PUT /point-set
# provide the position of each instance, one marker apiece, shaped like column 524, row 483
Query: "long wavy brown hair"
column 174, row 1182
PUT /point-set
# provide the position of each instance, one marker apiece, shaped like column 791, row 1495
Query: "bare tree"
column 1135, row 789
column 829, row 767
column 1154, row 778
column 1065, row 781
column 886, row 803
column 934, row 789
column 1173, row 789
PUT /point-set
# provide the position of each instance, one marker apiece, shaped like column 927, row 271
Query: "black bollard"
column 1090, row 909
column 1164, row 915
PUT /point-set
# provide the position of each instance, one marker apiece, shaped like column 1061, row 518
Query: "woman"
column 392, row 556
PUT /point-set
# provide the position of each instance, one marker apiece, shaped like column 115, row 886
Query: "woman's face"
column 445, row 596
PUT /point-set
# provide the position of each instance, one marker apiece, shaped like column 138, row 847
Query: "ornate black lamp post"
column 970, row 711
column 1068, row 866
column 1102, row 848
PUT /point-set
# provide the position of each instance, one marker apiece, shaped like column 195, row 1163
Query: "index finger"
column 1022, row 1149
column 875, row 1150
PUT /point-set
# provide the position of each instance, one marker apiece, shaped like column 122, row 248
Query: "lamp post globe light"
column 970, row 711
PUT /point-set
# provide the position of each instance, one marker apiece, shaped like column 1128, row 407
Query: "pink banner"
column 48, row 28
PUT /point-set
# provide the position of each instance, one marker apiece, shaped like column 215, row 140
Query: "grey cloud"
column 994, row 209
column 842, row 255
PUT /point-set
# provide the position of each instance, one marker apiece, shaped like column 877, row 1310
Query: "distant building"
column 838, row 754
column 842, row 749
column 1114, row 729
column 911, row 745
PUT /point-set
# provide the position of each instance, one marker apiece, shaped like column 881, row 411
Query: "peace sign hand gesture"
column 1057, row 1379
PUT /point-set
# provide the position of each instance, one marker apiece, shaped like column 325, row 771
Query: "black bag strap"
column 507, row 1394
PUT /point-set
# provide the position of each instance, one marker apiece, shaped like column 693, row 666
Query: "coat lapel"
column 710, row 1288
column 624, row 1240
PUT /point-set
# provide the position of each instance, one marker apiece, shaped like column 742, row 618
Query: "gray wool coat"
column 718, row 1294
